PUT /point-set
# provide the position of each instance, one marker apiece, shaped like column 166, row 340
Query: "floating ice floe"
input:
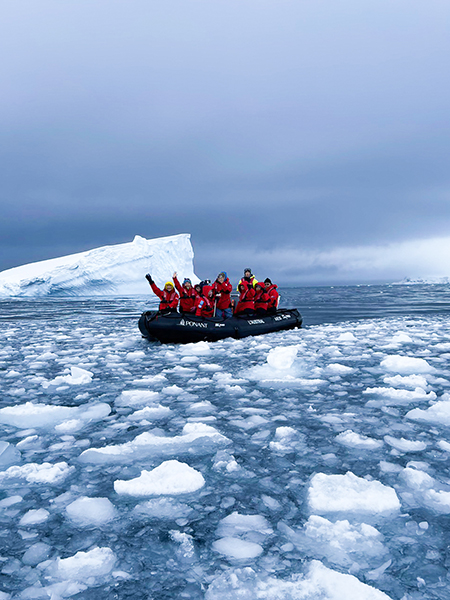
column 285, row 439
column 281, row 370
column 235, row 548
column 77, row 376
column 29, row 415
column 10, row 501
column 186, row 549
column 349, row 493
column 282, row 357
column 87, row 512
column 48, row 473
column 406, row 365
column 149, row 380
column 416, row 479
column 165, row 508
column 340, row 543
column 443, row 445
column 172, row 390
column 171, row 478
column 291, row 382
column 403, row 445
column 241, row 536
column 423, row 490
column 407, row 381
column 137, row 398
column 75, row 574
column 9, row 455
column 225, row 462
column 34, row 517
column 36, row 554
column 318, row 582
column 196, row 437
column 401, row 338
column 96, row 562
column 338, row 369
column 135, row 355
column 438, row 414
column 350, row 439
column 393, row 396
column 346, row 337
column 237, row 524
column 197, row 349
column 150, row 413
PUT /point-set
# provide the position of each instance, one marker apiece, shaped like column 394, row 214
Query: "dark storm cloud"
column 259, row 125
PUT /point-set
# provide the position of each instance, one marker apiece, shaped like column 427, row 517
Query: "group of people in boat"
column 207, row 300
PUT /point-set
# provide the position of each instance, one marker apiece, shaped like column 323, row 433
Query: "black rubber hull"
column 174, row 328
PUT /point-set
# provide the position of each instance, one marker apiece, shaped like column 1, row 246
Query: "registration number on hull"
column 281, row 317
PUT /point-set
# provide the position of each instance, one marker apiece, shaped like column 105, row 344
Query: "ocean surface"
column 308, row 464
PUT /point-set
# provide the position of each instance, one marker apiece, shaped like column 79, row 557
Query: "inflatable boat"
column 175, row 328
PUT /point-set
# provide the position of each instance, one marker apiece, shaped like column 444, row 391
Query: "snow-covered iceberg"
column 110, row 270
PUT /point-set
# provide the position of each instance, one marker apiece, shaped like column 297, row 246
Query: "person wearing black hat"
column 248, row 278
column 274, row 296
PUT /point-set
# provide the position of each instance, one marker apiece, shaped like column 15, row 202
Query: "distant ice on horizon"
column 109, row 270
column 424, row 281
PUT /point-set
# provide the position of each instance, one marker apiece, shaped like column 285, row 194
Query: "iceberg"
column 424, row 281
column 110, row 270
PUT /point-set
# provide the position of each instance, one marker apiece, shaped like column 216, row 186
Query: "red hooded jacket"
column 245, row 299
column 261, row 298
column 187, row 296
column 168, row 299
column 221, row 293
column 273, row 296
column 203, row 306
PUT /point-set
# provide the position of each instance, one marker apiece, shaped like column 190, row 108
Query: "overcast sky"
column 307, row 139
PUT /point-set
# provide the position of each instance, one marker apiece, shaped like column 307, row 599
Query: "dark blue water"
column 334, row 304
column 318, row 305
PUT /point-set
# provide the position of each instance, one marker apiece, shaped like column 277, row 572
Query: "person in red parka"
column 261, row 299
column 245, row 305
column 168, row 296
column 274, row 296
column 187, row 294
column 203, row 306
column 221, row 290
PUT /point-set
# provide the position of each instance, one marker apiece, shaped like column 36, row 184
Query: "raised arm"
column 177, row 283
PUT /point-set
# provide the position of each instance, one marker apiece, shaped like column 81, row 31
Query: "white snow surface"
column 195, row 436
column 45, row 473
column 169, row 479
column 355, row 440
column 318, row 583
column 439, row 414
column 406, row 365
column 349, row 493
column 86, row 511
column 342, row 543
column 83, row 565
column 29, row 415
column 236, row 548
column 118, row 269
